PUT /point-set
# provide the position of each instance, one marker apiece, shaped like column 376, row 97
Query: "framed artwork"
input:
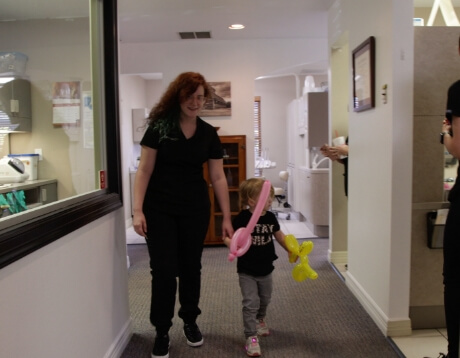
column 220, row 103
column 364, row 75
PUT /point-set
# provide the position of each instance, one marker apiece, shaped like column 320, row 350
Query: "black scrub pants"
column 451, row 272
column 175, row 244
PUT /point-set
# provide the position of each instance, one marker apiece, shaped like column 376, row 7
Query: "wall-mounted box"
column 139, row 118
column 15, row 106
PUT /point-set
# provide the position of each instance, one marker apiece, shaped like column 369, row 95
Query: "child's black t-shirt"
column 258, row 260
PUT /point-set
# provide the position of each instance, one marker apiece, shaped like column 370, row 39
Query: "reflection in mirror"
column 47, row 113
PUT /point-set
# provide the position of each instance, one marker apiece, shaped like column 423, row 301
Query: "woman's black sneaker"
column 161, row 347
column 193, row 335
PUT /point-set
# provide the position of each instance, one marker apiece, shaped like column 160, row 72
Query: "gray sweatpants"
column 256, row 292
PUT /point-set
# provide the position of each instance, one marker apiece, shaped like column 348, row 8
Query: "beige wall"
column 339, row 118
column 424, row 13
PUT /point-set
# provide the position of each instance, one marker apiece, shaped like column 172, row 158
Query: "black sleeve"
column 151, row 138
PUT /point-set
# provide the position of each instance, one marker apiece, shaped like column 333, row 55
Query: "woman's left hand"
column 227, row 228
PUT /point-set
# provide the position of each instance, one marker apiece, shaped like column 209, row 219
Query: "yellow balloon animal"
column 302, row 270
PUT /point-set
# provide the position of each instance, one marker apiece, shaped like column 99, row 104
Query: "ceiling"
column 162, row 20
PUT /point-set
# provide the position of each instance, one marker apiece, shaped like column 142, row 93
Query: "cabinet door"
column 318, row 127
column 48, row 193
column 304, row 190
column 235, row 171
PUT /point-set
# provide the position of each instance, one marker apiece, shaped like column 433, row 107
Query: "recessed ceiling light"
column 236, row 27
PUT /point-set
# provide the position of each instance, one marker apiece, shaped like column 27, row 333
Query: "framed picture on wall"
column 220, row 103
column 364, row 75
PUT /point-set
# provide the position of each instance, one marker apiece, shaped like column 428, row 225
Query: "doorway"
column 338, row 124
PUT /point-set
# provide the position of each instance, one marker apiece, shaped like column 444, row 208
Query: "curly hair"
column 164, row 116
column 251, row 189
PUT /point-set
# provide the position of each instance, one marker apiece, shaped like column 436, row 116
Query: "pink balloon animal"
column 241, row 240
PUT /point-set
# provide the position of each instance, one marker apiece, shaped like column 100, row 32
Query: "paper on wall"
column 441, row 216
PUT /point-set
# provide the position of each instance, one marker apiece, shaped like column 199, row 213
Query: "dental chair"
column 281, row 194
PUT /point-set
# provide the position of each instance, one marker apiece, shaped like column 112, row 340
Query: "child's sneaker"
column 252, row 346
column 262, row 328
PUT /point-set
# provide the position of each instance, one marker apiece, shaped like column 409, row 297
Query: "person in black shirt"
column 256, row 265
column 451, row 249
column 172, row 206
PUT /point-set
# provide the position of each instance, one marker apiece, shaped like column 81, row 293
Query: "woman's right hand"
column 139, row 224
column 324, row 150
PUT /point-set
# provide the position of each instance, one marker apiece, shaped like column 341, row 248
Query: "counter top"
column 28, row 184
column 315, row 171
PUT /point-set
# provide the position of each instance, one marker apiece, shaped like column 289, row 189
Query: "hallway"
column 422, row 343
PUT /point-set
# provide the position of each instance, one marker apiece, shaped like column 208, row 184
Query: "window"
column 73, row 77
column 257, row 134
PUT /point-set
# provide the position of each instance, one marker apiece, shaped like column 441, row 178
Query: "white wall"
column 154, row 91
column 132, row 95
column 239, row 62
column 276, row 93
column 338, row 125
column 135, row 92
column 70, row 298
column 380, row 169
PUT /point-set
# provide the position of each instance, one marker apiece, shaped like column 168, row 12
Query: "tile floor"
column 423, row 343
column 426, row 343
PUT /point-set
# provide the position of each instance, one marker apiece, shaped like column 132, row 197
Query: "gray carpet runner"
column 308, row 319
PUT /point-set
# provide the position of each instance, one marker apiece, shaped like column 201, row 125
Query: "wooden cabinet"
column 235, row 170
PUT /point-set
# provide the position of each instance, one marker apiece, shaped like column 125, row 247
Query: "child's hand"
column 292, row 257
column 227, row 241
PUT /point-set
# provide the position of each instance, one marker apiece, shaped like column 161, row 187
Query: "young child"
column 256, row 265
